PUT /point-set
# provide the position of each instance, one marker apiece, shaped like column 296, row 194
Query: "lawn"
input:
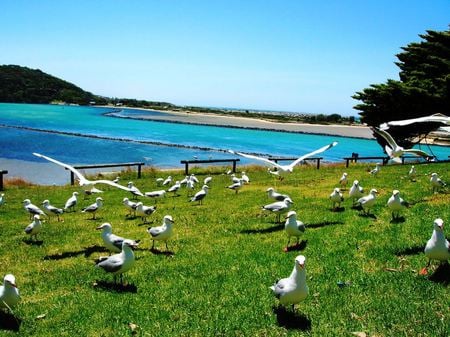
column 362, row 271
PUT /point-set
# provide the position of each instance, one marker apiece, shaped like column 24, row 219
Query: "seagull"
column 285, row 168
column 113, row 242
column 134, row 190
column 155, row 194
column 293, row 289
column 437, row 248
column 194, row 178
column 412, row 173
column 436, row 182
column 118, row 264
column 395, row 151
column 94, row 207
column 144, row 211
column 9, row 294
column 236, row 186
column 368, row 201
column 275, row 195
column 32, row 209
column 159, row 181
column 52, row 209
column 356, row 191
column 376, row 170
column 174, row 188
column 234, row 179
column 278, row 207
column 293, row 227
column 207, row 180
column 163, row 232
column 425, row 119
column 190, row 185
column 116, row 180
column 71, row 202
column 200, row 195
column 82, row 180
column 34, row 228
column 167, row 181
column 336, row 198
column 245, row 178
column 2, row 198
column 130, row 205
column 343, row 181
column 396, row 204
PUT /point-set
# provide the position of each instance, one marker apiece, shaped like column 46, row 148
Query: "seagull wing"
column 417, row 152
column 82, row 179
column 387, row 137
column 111, row 183
column 111, row 264
column 431, row 118
column 249, row 156
column 322, row 149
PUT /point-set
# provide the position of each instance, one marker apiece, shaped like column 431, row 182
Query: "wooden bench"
column 81, row 167
column 2, row 172
column 209, row 161
column 277, row 159
column 355, row 159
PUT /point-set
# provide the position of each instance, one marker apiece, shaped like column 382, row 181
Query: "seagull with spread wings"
column 394, row 150
column 83, row 181
column 285, row 168
column 425, row 119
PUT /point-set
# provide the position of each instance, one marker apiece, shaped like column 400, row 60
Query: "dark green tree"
column 423, row 89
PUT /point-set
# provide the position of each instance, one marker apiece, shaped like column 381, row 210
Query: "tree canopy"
column 423, row 88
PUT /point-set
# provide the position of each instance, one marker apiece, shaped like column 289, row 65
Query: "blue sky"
column 292, row 55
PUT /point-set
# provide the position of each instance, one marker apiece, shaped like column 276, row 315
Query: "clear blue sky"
column 292, row 55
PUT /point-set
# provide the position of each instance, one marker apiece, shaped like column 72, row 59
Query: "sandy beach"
column 242, row 122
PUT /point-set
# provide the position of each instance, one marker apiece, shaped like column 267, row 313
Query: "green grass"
column 227, row 252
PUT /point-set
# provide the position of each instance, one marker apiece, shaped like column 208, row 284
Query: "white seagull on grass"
column 163, row 232
column 71, row 202
column 32, row 209
column 134, row 190
column 83, row 181
column 34, row 228
column 437, row 248
column 293, row 227
column 293, row 289
column 396, row 204
column 119, row 263
column 356, row 191
column 93, row 208
column 200, row 195
column 368, row 201
column 275, row 195
column 9, row 294
column 52, row 209
column 144, row 211
column 336, row 198
column 130, row 205
column 395, row 151
column 285, row 168
column 113, row 242
column 436, row 182
column 278, row 207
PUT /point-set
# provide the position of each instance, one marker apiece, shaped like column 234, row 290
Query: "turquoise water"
column 169, row 142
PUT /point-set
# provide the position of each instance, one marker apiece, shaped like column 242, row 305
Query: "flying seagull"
column 425, row 119
column 285, row 168
column 83, row 181
column 394, row 150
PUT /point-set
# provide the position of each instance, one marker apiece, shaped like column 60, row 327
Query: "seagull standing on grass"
column 412, row 173
column 144, row 211
column 437, row 248
column 71, row 202
column 113, row 242
column 134, row 190
column 93, row 208
column 368, row 201
column 278, row 207
column 130, row 205
column 2, row 198
column 396, row 204
column 85, row 183
column 293, row 227
column 236, row 186
column 376, row 170
column 155, row 194
column 174, row 188
column 200, row 195
column 163, row 232
column 395, row 151
column 167, row 181
column 275, row 195
column 356, row 191
column 9, row 294
column 207, row 180
column 285, row 168
column 245, row 178
column 436, row 182
column 32, row 209
column 34, row 228
column 336, row 198
column 52, row 209
column 118, row 264
column 293, row 289
column 343, row 181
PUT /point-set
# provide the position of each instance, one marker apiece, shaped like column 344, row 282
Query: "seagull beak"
column 99, row 227
column 13, row 284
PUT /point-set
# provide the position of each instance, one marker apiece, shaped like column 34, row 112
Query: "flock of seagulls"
column 290, row 290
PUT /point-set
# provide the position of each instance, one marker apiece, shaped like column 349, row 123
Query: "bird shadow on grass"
column 291, row 320
column 367, row 215
column 323, row 224
column 277, row 227
column 33, row 242
column 410, row 251
column 400, row 219
column 441, row 274
column 116, row 287
column 297, row 247
column 337, row 209
column 160, row 252
column 88, row 251
column 9, row 322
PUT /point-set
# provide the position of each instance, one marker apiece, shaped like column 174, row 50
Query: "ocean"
column 84, row 135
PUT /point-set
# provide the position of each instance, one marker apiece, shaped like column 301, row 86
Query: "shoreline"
column 219, row 120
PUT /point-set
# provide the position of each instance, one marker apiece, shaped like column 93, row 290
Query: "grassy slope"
column 227, row 253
